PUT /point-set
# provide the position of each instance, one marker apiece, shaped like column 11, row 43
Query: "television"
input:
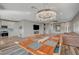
column 35, row 27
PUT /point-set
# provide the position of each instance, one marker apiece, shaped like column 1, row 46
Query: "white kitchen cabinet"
column 9, row 24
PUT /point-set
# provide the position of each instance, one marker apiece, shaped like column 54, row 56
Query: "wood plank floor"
column 69, row 50
column 10, row 48
column 13, row 50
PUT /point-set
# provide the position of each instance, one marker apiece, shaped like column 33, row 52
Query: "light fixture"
column 46, row 15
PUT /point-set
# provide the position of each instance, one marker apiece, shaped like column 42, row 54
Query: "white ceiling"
column 27, row 11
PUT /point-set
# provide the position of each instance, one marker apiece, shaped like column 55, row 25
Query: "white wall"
column 27, row 28
column 75, row 24
column 17, row 31
column 65, row 27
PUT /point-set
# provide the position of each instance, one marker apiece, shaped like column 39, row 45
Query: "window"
column 58, row 28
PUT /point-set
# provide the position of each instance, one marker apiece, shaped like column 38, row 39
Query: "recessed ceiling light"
column 61, row 13
column 28, row 12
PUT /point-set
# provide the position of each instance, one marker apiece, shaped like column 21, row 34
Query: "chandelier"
column 46, row 15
